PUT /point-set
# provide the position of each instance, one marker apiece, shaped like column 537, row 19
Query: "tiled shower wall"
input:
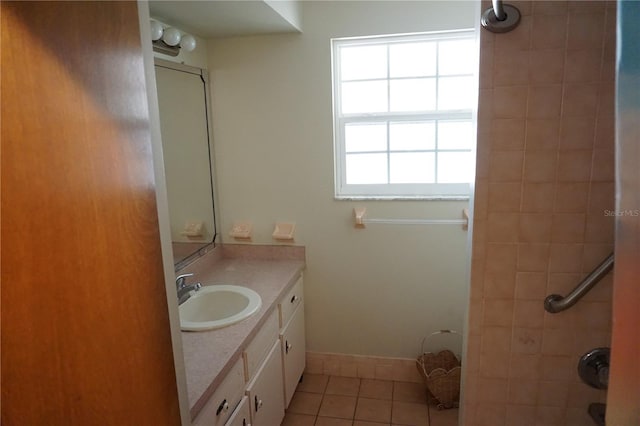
column 544, row 193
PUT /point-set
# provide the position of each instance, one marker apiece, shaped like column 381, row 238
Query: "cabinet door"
column 266, row 398
column 221, row 404
column 259, row 347
column 241, row 416
column 293, row 353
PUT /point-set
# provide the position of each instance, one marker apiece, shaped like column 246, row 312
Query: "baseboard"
column 364, row 367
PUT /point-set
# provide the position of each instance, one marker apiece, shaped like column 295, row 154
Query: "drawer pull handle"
column 258, row 403
column 244, row 423
column 287, row 346
column 224, row 406
column 294, row 298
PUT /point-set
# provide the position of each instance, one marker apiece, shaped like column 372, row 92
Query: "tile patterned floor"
column 344, row 401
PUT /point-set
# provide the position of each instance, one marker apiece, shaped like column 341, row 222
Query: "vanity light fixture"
column 169, row 40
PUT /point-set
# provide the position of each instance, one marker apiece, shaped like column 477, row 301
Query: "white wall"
column 375, row 291
column 289, row 10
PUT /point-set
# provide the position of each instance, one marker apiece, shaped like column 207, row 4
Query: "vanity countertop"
column 209, row 355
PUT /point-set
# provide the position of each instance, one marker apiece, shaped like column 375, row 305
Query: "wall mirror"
column 183, row 102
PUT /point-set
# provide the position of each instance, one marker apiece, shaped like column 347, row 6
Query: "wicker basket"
column 441, row 373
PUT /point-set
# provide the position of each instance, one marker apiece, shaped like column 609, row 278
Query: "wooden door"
column 85, row 327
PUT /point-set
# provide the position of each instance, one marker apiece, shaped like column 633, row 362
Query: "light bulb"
column 156, row 30
column 188, row 43
column 171, row 36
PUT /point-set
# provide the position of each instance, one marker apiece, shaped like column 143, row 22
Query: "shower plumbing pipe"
column 498, row 10
column 555, row 303
column 500, row 18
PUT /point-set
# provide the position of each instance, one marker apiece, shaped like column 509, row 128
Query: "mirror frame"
column 203, row 73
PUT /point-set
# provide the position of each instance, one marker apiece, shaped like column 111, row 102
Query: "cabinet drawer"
column 290, row 302
column 221, row 404
column 293, row 353
column 265, row 394
column 241, row 416
column 260, row 346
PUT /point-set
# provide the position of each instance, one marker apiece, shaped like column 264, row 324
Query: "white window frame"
column 455, row 191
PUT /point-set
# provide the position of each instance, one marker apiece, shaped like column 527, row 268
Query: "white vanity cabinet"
column 241, row 415
column 292, row 339
column 263, row 372
column 290, row 301
column 256, row 352
column 221, row 404
column 261, row 383
column 266, row 399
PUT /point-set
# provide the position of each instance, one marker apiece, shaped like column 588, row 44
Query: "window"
column 403, row 115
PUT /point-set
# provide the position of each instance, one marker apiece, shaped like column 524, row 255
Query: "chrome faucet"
column 184, row 290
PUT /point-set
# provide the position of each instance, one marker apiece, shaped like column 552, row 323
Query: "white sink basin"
column 218, row 306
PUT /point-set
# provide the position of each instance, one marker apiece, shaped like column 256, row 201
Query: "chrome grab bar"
column 555, row 303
